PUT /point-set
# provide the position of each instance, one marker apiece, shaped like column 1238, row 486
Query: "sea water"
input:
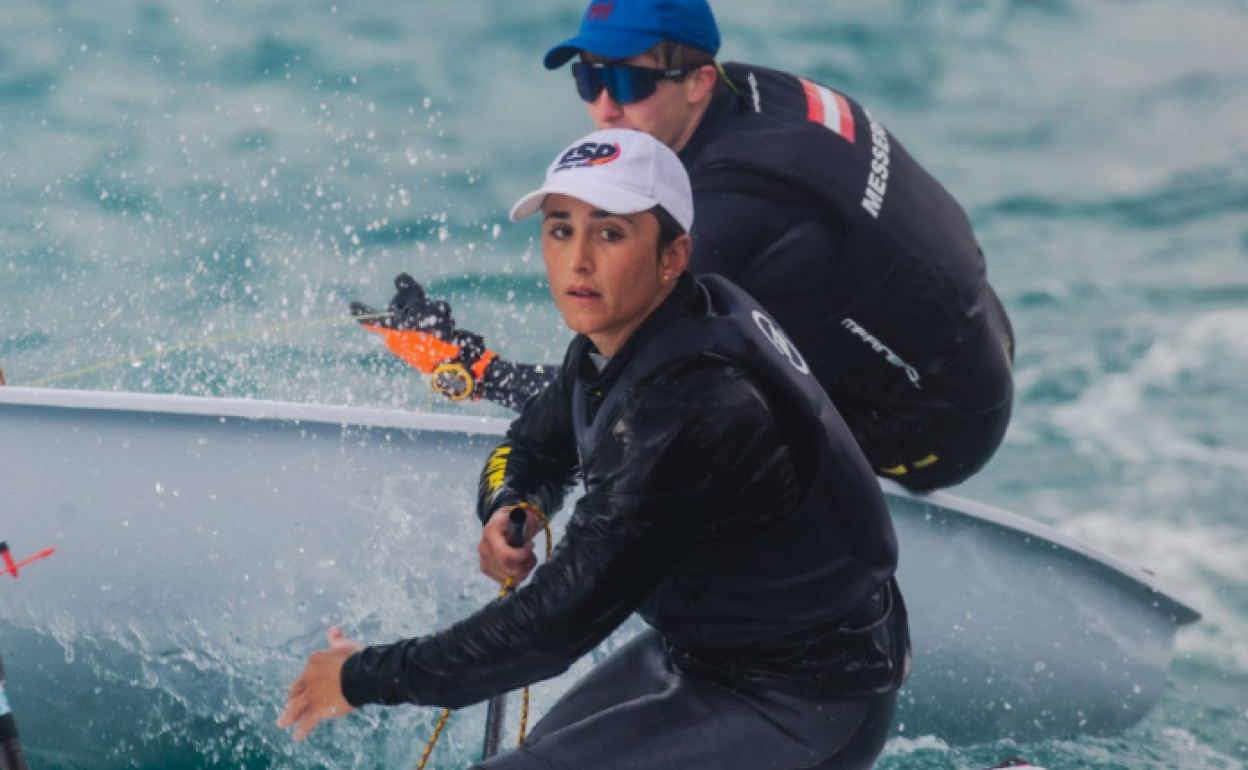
column 190, row 188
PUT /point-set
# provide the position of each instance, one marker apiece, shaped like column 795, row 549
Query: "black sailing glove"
column 422, row 332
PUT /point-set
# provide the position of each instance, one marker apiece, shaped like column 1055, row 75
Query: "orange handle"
column 420, row 349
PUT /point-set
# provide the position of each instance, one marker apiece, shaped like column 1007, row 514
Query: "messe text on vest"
column 877, row 182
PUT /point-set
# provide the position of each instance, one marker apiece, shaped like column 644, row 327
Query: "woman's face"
column 604, row 271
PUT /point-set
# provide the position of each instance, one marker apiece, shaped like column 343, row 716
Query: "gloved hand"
column 422, row 332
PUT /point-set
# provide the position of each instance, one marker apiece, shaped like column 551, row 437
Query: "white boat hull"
column 201, row 540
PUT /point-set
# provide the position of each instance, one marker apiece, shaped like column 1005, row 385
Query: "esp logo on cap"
column 588, row 154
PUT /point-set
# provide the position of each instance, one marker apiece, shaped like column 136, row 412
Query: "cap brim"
column 605, row 196
column 609, row 43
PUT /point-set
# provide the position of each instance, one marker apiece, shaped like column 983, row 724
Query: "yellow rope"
column 437, row 733
column 196, row 344
column 524, row 709
column 524, row 718
column 524, row 714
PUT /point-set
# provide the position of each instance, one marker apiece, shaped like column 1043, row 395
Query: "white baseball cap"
column 619, row 171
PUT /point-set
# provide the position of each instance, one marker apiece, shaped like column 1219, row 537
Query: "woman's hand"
column 501, row 562
column 317, row 694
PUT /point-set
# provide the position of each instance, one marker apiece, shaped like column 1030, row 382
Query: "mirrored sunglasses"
column 624, row 84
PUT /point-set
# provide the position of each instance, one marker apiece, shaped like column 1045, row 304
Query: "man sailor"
column 725, row 502
column 807, row 202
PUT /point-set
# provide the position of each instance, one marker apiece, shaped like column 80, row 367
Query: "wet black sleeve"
column 512, row 384
column 537, row 461
column 652, row 486
column 767, row 247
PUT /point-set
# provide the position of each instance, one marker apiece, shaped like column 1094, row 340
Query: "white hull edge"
column 235, row 530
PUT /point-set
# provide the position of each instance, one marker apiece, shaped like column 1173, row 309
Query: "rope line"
column 437, row 733
column 182, row 347
column 524, row 714
column 524, row 709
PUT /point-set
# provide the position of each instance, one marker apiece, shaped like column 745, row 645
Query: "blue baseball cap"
column 617, row 29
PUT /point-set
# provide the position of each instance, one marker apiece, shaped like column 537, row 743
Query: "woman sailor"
column 725, row 502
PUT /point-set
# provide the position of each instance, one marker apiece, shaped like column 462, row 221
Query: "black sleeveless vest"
column 834, row 551
column 910, row 268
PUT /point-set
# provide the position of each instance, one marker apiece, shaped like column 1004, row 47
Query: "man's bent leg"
column 931, row 448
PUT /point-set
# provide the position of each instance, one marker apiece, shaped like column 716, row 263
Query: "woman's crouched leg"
column 634, row 710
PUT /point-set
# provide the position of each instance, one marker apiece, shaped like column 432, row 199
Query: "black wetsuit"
column 884, row 292
column 744, row 527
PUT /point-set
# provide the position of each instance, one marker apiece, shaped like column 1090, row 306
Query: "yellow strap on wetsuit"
column 901, row 469
column 727, row 80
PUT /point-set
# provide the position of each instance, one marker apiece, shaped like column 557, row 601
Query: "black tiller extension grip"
column 516, row 521
column 497, row 710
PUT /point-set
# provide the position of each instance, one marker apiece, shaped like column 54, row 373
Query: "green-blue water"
column 172, row 170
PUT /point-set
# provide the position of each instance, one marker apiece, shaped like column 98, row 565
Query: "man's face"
column 669, row 114
column 604, row 273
